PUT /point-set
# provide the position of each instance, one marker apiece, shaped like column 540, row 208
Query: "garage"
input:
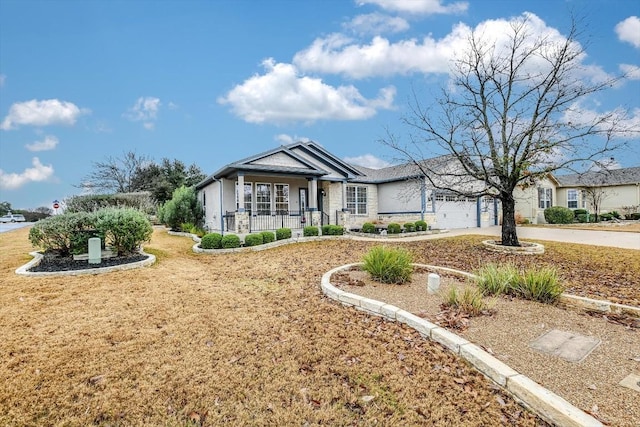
column 456, row 212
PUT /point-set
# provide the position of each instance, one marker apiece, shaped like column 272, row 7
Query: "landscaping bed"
column 51, row 264
column 248, row 339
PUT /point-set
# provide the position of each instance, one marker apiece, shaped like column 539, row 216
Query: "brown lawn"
column 247, row 339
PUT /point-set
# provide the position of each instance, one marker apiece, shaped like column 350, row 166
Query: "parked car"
column 12, row 218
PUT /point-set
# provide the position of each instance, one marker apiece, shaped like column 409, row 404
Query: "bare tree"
column 509, row 116
column 115, row 174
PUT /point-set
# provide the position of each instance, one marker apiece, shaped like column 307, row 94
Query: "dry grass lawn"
column 246, row 339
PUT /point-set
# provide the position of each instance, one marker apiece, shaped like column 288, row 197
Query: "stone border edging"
column 37, row 257
column 546, row 404
column 397, row 235
column 529, row 248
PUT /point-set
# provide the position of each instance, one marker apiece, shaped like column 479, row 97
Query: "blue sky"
column 210, row 82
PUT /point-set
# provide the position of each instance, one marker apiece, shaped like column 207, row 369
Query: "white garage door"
column 452, row 213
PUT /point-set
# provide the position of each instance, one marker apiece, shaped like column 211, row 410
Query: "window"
column 572, row 199
column 282, row 199
column 357, row 200
column 545, row 198
column 263, row 199
column 247, row 196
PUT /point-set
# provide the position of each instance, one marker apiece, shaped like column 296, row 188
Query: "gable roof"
column 301, row 158
column 603, row 178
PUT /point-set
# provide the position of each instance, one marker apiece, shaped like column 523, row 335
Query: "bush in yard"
column 606, row 217
column 325, row 230
column 211, row 241
column 540, row 284
column 409, row 227
column 253, row 239
column 578, row 212
column 183, row 208
column 124, row 229
column 283, row 233
column 421, row 225
column 336, row 230
column 394, row 228
column 268, row 236
column 310, row 230
column 388, row 265
column 230, row 241
column 497, row 280
column 368, row 227
column 63, row 234
column 558, row 215
column 468, row 301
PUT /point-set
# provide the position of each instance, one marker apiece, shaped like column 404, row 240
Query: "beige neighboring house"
column 612, row 190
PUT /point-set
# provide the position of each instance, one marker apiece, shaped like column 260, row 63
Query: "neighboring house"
column 602, row 191
column 303, row 184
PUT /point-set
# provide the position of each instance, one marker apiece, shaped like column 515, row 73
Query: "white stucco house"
column 303, row 184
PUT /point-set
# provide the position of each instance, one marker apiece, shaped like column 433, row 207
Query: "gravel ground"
column 49, row 264
column 591, row 384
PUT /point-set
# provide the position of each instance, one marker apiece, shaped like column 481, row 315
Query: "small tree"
column 184, row 207
column 509, row 116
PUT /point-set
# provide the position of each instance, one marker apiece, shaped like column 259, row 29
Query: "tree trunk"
column 509, row 235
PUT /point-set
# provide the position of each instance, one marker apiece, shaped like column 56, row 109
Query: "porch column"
column 344, row 196
column 423, row 198
column 241, row 192
column 313, row 194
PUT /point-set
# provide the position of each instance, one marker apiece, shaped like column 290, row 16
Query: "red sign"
column 56, row 205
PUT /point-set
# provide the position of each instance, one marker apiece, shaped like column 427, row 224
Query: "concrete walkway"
column 616, row 239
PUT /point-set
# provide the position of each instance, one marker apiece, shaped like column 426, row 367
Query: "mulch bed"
column 52, row 264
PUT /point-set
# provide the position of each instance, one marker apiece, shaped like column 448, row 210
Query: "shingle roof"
column 400, row 172
column 604, row 178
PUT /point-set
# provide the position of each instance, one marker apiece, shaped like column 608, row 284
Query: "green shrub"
column 577, row 212
column 124, row 229
column 336, row 230
column 211, row 241
column 388, row 265
column 582, row 218
column 635, row 216
column 325, row 230
column 64, row 234
column 468, row 301
column 268, row 236
column 558, row 215
column 253, row 240
column 184, row 207
column 310, row 230
column 230, row 241
column 606, row 217
column 615, row 214
column 497, row 280
column 421, row 225
column 283, row 233
column 540, row 284
column 394, row 228
column 368, row 227
column 409, row 227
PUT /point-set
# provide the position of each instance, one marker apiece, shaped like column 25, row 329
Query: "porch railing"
column 229, row 220
column 279, row 219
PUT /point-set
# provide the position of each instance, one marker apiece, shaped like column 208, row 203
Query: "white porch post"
column 344, row 196
column 313, row 194
column 240, row 191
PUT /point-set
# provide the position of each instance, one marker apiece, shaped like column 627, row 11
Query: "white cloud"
column 42, row 113
column 418, row 7
column 282, row 95
column 627, row 123
column 368, row 161
column 39, row 172
column 629, row 31
column 288, row 139
column 48, row 143
column 144, row 110
column 377, row 23
column 631, row 71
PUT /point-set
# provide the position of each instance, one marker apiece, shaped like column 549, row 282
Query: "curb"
column 37, row 257
column 543, row 402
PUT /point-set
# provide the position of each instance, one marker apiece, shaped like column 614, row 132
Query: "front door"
column 303, row 200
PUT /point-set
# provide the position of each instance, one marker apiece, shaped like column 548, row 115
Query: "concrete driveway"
column 616, row 239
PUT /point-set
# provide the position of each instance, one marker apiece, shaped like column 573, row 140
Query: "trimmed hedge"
column 310, row 231
column 394, row 228
column 268, row 236
column 253, row 240
column 409, row 227
column 211, row 241
column 421, row 225
column 368, row 227
column 230, row 241
column 283, row 233
column 558, row 215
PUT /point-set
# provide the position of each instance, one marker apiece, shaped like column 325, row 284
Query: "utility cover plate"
column 569, row 346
